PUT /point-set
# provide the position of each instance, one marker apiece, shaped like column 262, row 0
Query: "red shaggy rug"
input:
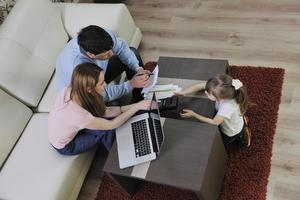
column 248, row 168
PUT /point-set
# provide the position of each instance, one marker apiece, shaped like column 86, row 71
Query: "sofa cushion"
column 114, row 17
column 34, row 170
column 16, row 73
column 13, row 117
column 49, row 97
column 136, row 38
column 36, row 25
column 31, row 37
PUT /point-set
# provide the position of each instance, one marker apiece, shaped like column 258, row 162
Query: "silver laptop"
column 141, row 137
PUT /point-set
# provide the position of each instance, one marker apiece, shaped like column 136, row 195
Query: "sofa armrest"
column 114, row 17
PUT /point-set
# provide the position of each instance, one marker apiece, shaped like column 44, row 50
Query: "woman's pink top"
column 66, row 119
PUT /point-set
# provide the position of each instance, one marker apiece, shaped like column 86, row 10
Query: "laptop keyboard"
column 141, row 138
column 158, row 131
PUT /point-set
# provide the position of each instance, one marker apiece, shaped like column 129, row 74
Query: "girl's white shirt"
column 233, row 120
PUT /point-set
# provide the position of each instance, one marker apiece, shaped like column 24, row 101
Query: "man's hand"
column 141, row 70
column 187, row 113
column 140, row 80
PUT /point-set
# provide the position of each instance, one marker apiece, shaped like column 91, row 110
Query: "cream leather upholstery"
column 34, row 170
column 49, row 97
column 31, row 38
column 14, row 117
column 115, row 17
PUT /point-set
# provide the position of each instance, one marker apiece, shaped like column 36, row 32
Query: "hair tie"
column 237, row 84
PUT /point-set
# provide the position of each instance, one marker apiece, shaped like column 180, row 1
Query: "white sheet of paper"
column 153, row 80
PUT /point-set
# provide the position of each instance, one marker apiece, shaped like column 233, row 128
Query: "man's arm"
column 67, row 60
column 122, row 50
column 62, row 80
column 112, row 92
column 64, row 67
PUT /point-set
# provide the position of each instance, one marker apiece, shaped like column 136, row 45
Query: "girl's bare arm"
column 217, row 120
column 195, row 88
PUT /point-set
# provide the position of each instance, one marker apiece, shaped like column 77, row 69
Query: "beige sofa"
column 31, row 37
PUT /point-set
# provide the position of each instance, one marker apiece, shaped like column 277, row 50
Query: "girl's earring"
column 89, row 90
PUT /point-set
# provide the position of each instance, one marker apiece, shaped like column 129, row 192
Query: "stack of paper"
column 162, row 91
column 152, row 81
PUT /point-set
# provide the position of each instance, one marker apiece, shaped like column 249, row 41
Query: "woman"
column 79, row 119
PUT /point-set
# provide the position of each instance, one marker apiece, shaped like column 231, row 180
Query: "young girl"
column 231, row 103
column 78, row 121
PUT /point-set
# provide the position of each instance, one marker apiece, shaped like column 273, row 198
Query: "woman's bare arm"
column 127, row 107
column 104, row 124
column 114, row 111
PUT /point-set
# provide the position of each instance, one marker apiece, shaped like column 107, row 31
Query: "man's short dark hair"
column 94, row 39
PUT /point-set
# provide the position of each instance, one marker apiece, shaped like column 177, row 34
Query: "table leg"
column 216, row 168
column 200, row 196
column 127, row 184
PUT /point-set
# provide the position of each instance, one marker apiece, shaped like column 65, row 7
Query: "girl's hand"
column 144, row 105
column 179, row 94
column 187, row 113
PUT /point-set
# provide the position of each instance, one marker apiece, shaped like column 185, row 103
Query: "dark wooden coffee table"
column 191, row 68
column 193, row 156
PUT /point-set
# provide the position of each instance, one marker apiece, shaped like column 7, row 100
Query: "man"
column 103, row 48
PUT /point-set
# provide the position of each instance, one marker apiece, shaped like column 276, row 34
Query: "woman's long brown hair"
column 85, row 77
column 221, row 87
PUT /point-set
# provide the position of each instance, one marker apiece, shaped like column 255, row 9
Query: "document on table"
column 162, row 91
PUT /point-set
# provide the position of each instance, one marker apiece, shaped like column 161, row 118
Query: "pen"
column 144, row 74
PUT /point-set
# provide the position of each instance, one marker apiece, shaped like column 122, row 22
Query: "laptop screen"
column 159, row 135
column 154, row 105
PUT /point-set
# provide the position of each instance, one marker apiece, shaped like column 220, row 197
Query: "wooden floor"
column 246, row 32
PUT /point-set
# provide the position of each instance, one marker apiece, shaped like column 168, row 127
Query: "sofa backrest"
column 14, row 117
column 31, row 37
column 114, row 17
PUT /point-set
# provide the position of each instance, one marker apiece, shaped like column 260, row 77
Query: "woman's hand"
column 187, row 113
column 144, row 105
